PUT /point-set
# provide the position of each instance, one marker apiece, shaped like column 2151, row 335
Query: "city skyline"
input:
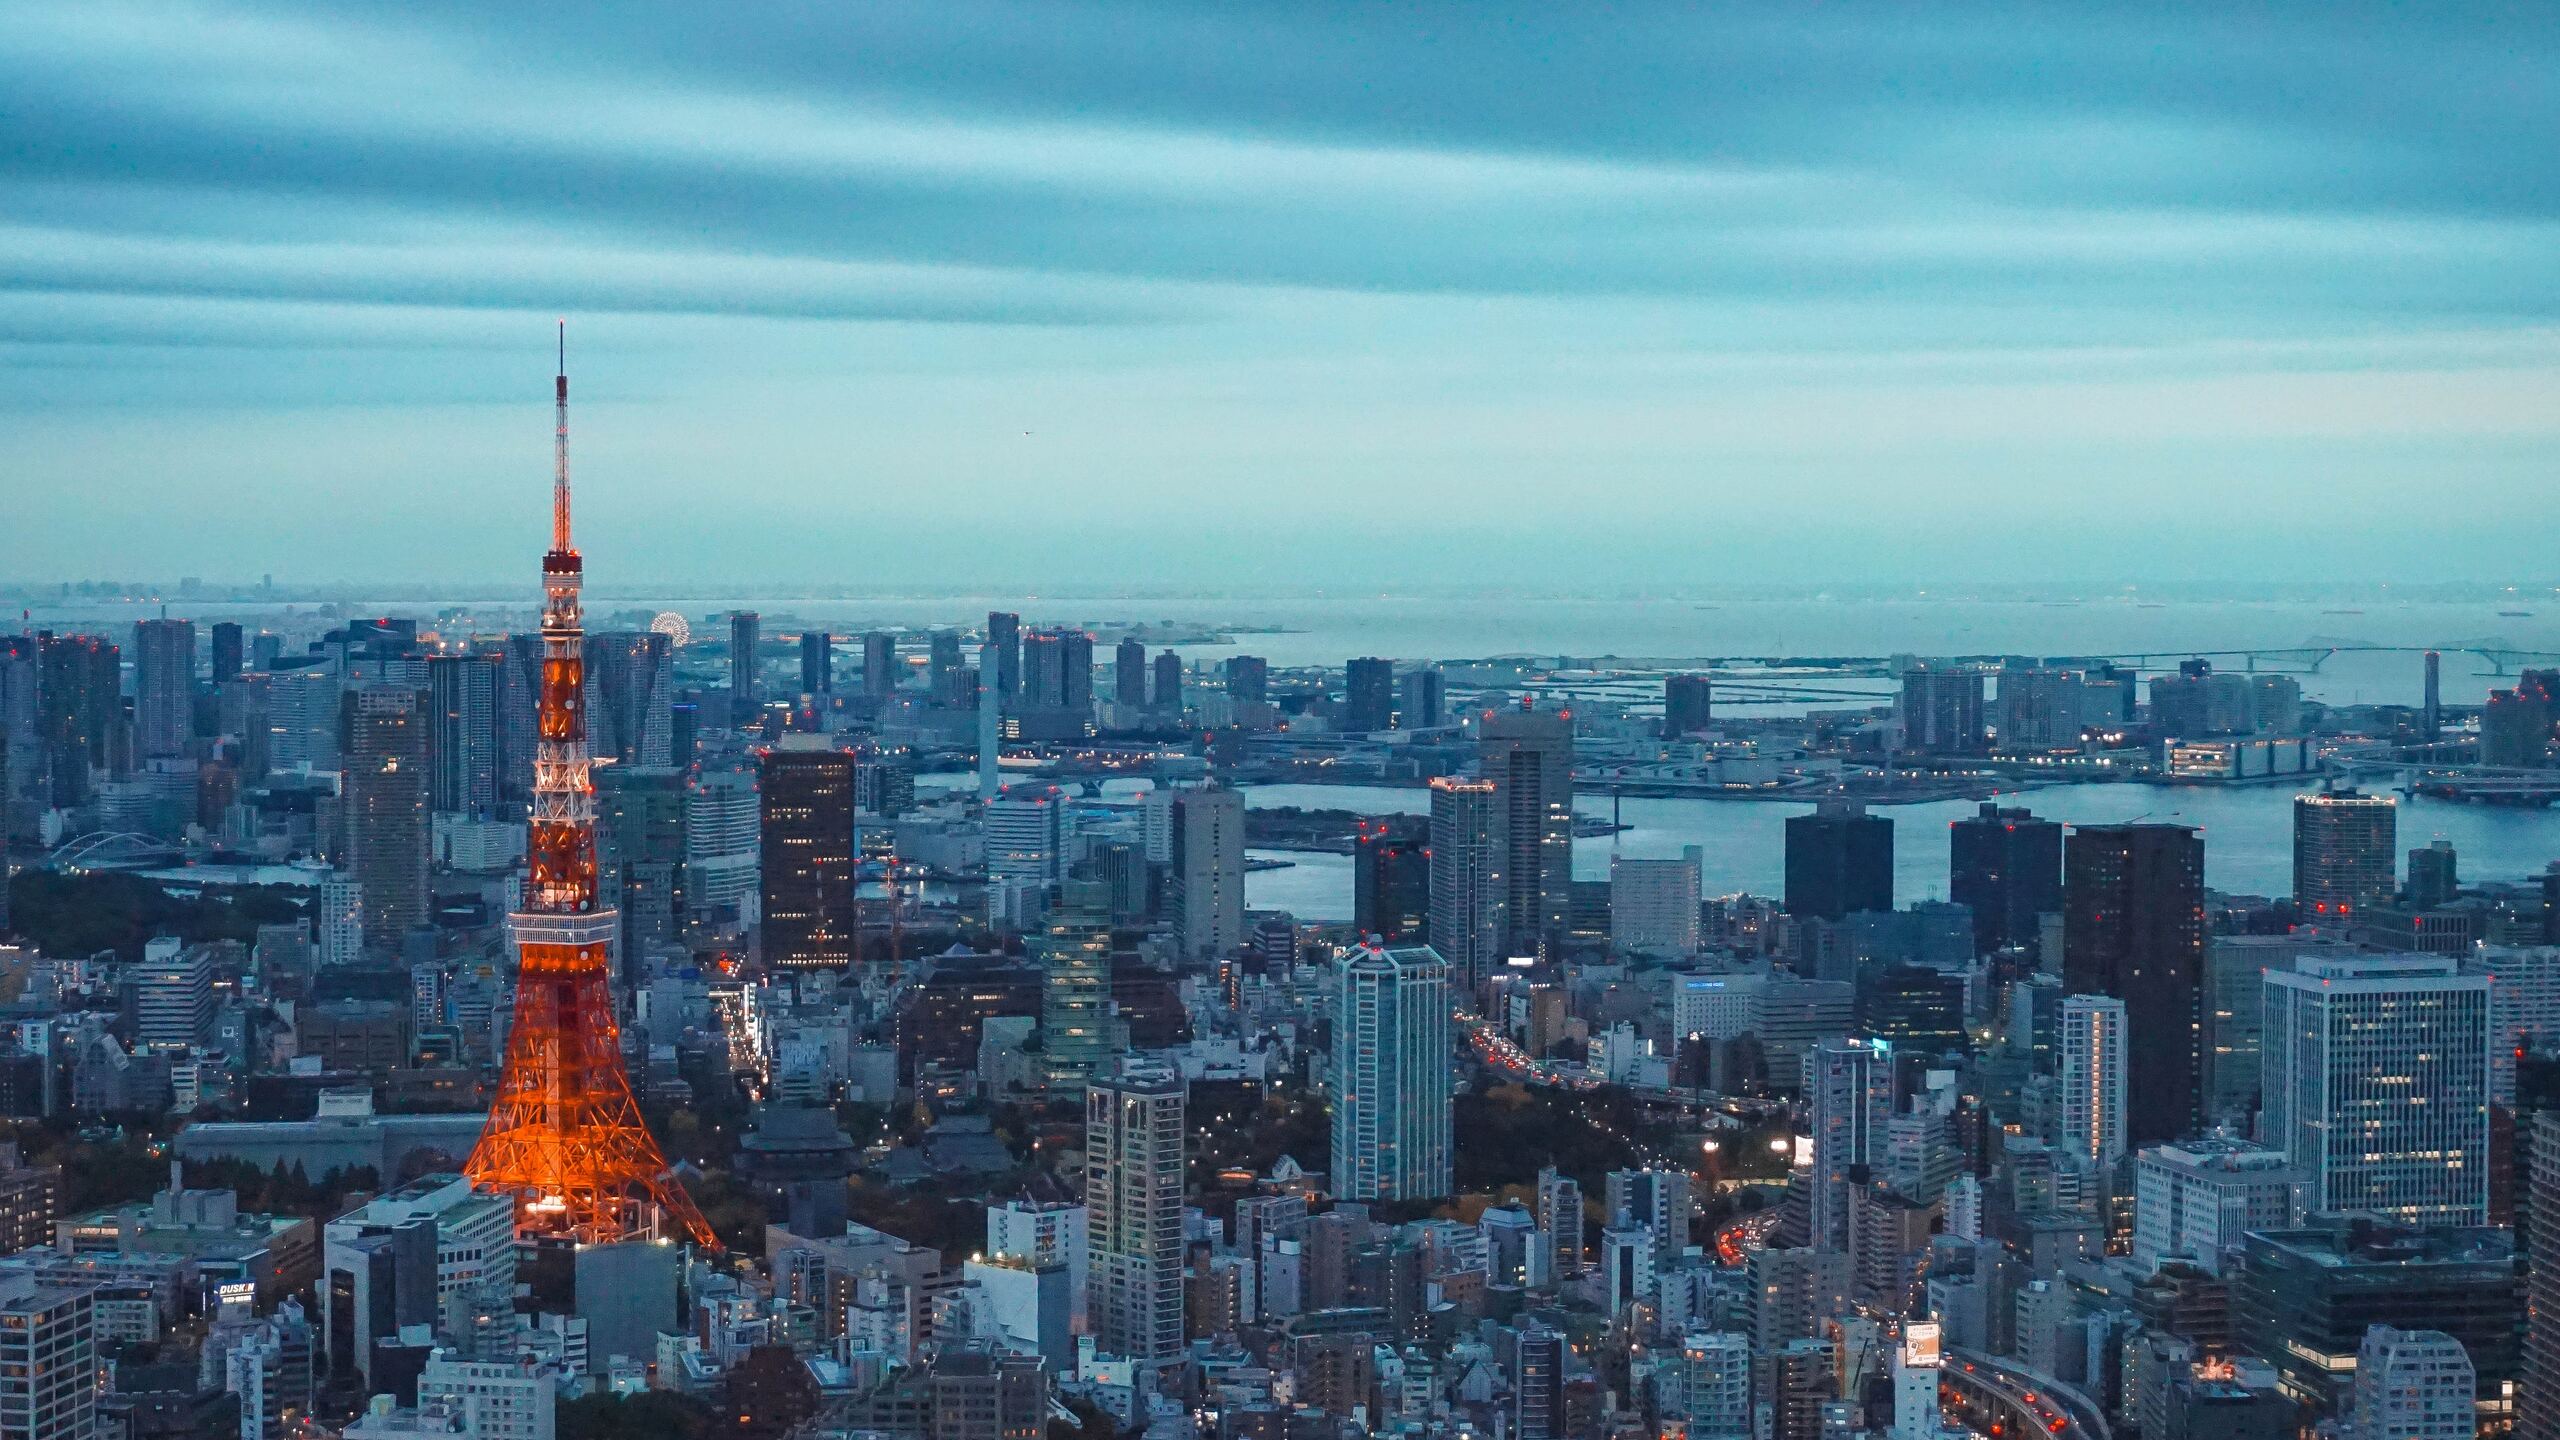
column 1220, row 297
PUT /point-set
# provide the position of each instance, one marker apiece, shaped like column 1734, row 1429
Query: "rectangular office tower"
column 2133, row 928
column 2376, row 1078
column 2093, row 1073
column 2345, row 848
column 1465, row 857
column 1839, row 860
column 806, row 854
column 2006, row 866
column 1133, row 1138
column 1392, row 1084
column 1528, row 755
column 386, row 811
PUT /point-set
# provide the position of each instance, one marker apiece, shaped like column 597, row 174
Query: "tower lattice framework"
column 565, row 1136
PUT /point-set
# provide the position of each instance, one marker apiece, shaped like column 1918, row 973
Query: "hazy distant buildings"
column 1423, row 702
column 1248, row 679
column 1004, row 636
column 817, row 662
column 1129, row 673
column 1839, row 860
column 879, row 665
column 2133, row 928
column 1941, row 709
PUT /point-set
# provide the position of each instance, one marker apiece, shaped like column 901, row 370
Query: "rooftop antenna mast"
column 560, row 449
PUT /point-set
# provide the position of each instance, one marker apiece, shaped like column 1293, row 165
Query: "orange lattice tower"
column 565, row 1135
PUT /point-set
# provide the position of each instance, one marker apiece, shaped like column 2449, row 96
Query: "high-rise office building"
column 630, row 693
column 944, row 662
column 879, row 665
column 1026, row 837
column 723, row 844
column 746, row 688
column 1248, row 679
column 1077, row 1032
column 1661, row 1203
column 806, row 856
column 2435, row 875
column 2413, row 1385
column 388, row 830
column 1391, row 880
column 1368, row 694
column 2197, row 1199
column 164, row 686
column 1848, row 1086
column 2345, row 844
column 1839, row 860
column 2376, row 1083
column 2133, row 928
column 228, row 653
column 1688, row 705
column 80, row 711
column 462, row 733
column 1391, row 1111
column 1467, row 889
column 2005, row 866
column 1133, row 1145
column 1560, row 1219
column 1004, row 635
column 1423, row 699
column 1528, row 755
column 1168, row 690
column 1941, row 709
column 2538, row 1237
column 640, row 857
column 493, row 1399
column 1653, row 904
column 1129, row 673
column 818, row 663
column 2092, row 1041
column 173, row 996
column 50, row 1370
column 1207, row 884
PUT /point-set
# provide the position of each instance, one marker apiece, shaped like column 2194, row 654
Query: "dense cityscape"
column 1279, row 721
column 431, row 1030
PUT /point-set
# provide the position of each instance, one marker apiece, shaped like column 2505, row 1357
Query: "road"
column 2003, row 1399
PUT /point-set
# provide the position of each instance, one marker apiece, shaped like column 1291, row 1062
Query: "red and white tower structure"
column 565, row 1136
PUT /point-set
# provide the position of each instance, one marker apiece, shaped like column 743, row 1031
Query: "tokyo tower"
column 565, row 1136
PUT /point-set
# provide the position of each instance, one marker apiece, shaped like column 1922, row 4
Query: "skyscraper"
column 164, row 686
column 1391, row 1110
column 1528, row 755
column 1653, row 905
column 2133, row 928
column 1839, row 860
column 388, row 833
column 80, row 710
column 817, row 662
column 630, row 693
column 1248, row 679
column 227, row 651
column 1848, row 1087
column 1129, row 673
column 173, row 996
column 1423, row 702
column 1368, row 694
column 1688, row 705
column 1076, row 1029
column 2092, row 1042
column 2006, row 866
column 806, row 854
column 746, row 690
column 1941, row 709
column 1467, row 890
column 2345, row 844
column 1133, row 1145
column 879, row 665
column 1026, row 837
column 1391, row 880
column 1168, row 690
column 2538, row 1237
column 462, row 733
column 2376, row 1082
column 1208, row 870
column 1004, row 635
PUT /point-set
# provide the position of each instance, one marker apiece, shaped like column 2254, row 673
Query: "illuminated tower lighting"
column 565, row 1136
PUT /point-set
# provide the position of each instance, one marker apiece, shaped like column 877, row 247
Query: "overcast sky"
column 1250, row 293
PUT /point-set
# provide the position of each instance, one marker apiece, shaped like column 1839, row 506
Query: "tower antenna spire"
column 560, row 450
